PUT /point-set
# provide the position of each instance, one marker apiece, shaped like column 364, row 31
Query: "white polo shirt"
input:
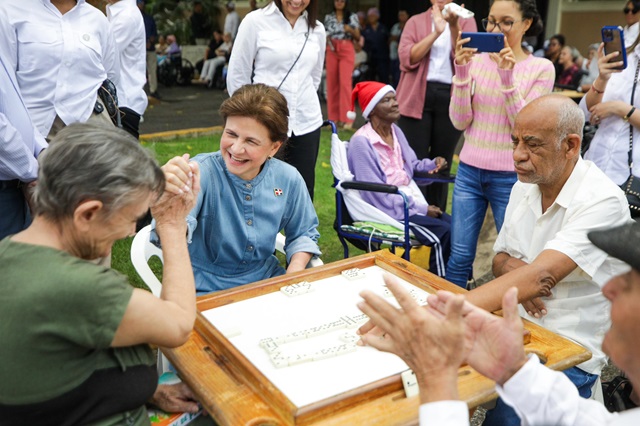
column 589, row 200
column 60, row 60
column 127, row 27
column 267, row 46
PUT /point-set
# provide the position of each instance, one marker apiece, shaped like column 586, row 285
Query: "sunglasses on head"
column 627, row 10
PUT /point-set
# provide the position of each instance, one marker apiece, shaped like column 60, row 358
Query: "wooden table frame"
column 235, row 392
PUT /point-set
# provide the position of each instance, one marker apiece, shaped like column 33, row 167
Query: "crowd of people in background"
column 68, row 71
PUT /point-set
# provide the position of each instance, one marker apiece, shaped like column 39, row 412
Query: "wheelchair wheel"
column 185, row 73
column 167, row 74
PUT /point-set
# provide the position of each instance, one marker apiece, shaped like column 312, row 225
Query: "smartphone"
column 613, row 39
column 485, row 42
column 457, row 9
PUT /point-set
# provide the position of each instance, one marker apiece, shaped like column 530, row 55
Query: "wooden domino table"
column 236, row 382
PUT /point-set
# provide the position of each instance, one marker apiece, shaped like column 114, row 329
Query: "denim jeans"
column 473, row 191
column 504, row 415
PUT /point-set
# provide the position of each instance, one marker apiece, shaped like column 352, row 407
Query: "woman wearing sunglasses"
column 631, row 17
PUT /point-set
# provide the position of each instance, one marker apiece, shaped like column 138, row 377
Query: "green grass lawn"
column 324, row 197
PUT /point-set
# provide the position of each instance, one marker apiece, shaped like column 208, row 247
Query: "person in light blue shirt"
column 247, row 197
column 20, row 145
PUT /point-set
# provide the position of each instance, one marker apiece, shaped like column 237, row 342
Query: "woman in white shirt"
column 608, row 104
column 283, row 45
column 631, row 17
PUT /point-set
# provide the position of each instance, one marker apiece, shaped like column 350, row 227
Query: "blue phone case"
column 613, row 39
column 485, row 42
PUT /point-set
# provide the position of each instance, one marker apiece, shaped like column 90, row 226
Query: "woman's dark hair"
column 560, row 38
column 346, row 13
column 312, row 11
column 529, row 10
column 262, row 103
column 635, row 3
column 636, row 42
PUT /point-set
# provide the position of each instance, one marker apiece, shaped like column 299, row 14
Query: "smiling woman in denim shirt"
column 247, row 197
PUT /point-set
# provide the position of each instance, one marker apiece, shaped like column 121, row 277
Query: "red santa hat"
column 368, row 94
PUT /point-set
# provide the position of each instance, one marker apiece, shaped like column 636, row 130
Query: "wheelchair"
column 174, row 69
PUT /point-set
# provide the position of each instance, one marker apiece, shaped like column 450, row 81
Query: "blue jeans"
column 473, row 191
column 504, row 415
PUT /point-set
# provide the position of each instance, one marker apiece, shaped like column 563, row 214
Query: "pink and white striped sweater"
column 485, row 102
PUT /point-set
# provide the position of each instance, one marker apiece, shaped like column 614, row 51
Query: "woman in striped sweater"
column 489, row 90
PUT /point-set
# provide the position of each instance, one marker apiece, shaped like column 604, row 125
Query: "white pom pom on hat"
column 368, row 94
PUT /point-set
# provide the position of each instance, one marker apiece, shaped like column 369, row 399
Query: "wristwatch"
column 629, row 114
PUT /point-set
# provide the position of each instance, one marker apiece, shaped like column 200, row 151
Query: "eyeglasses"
column 627, row 10
column 504, row 26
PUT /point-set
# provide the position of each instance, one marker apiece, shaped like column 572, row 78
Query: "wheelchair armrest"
column 370, row 186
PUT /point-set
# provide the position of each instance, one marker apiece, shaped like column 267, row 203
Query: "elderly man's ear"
column 573, row 145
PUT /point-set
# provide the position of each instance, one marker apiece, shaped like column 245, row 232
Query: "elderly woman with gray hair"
column 75, row 334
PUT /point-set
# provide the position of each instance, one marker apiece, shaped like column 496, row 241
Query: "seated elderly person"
column 218, row 59
column 543, row 249
column 247, row 197
column 379, row 153
column 434, row 342
column 75, row 335
column 571, row 74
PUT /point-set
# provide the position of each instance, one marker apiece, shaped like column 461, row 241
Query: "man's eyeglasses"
column 504, row 26
column 627, row 10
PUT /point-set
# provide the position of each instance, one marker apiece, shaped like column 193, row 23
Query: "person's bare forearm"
column 531, row 281
column 178, row 285
column 440, row 387
column 299, row 261
column 504, row 263
column 421, row 48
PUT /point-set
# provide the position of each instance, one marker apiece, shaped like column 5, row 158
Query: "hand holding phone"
column 613, row 39
column 485, row 42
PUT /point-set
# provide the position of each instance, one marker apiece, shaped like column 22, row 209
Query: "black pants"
column 301, row 151
column 435, row 233
column 14, row 212
column 433, row 136
column 130, row 121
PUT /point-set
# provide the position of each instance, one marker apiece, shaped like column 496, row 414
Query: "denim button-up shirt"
column 233, row 227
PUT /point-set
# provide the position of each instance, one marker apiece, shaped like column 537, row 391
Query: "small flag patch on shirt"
column 277, row 191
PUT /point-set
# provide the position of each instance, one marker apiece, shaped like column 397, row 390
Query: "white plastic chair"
column 141, row 251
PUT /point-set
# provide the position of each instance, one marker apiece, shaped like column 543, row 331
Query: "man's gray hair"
column 570, row 120
column 92, row 162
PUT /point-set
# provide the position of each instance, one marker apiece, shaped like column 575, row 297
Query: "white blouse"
column 610, row 146
column 267, row 47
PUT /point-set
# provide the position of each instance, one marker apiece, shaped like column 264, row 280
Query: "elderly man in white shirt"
column 20, row 145
column 543, row 248
column 127, row 27
column 61, row 52
column 451, row 331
